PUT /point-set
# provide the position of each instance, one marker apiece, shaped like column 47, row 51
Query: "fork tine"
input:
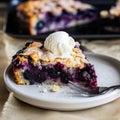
column 81, row 92
column 96, row 91
column 82, row 89
column 72, row 86
column 78, row 86
column 78, row 90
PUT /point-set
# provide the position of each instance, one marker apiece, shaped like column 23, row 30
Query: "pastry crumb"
column 55, row 88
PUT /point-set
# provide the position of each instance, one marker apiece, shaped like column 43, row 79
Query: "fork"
column 86, row 92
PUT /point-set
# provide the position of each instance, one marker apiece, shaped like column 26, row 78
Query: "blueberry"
column 65, row 77
column 50, row 17
column 67, row 16
column 20, row 51
column 40, row 25
column 86, row 76
column 33, row 76
column 47, row 67
column 53, row 73
column 42, row 77
column 29, row 76
column 59, row 66
column 80, row 12
column 58, row 19
column 28, row 43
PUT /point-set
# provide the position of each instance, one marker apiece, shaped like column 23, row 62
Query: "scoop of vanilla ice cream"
column 60, row 44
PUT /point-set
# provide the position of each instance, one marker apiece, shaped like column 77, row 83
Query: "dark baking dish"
column 92, row 30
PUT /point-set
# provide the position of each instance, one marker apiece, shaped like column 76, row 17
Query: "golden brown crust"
column 35, row 44
column 38, row 55
column 32, row 23
column 19, row 78
column 34, row 56
column 31, row 8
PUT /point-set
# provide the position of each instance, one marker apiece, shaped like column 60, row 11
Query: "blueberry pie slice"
column 40, row 16
column 59, row 59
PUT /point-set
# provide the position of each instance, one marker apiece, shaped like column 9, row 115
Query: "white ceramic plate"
column 108, row 72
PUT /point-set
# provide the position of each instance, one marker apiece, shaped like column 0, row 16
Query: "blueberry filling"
column 65, row 77
column 41, row 73
column 63, row 20
column 49, row 17
column 85, row 74
column 40, row 25
column 33, row 77
column 58, row 19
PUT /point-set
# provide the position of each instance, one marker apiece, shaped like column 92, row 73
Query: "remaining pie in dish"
column 40, row 16
column 59, row 59
column 111, row 18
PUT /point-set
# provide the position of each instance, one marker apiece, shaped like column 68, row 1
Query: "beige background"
column 13, row 109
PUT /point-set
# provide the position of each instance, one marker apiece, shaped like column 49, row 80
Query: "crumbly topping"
column 34, row 57
column 31, row 8
column 21, row 59
column 77, row 57
column 35, row 44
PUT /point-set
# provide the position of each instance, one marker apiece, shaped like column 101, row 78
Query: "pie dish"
column 41, row 16
column 37, row 62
